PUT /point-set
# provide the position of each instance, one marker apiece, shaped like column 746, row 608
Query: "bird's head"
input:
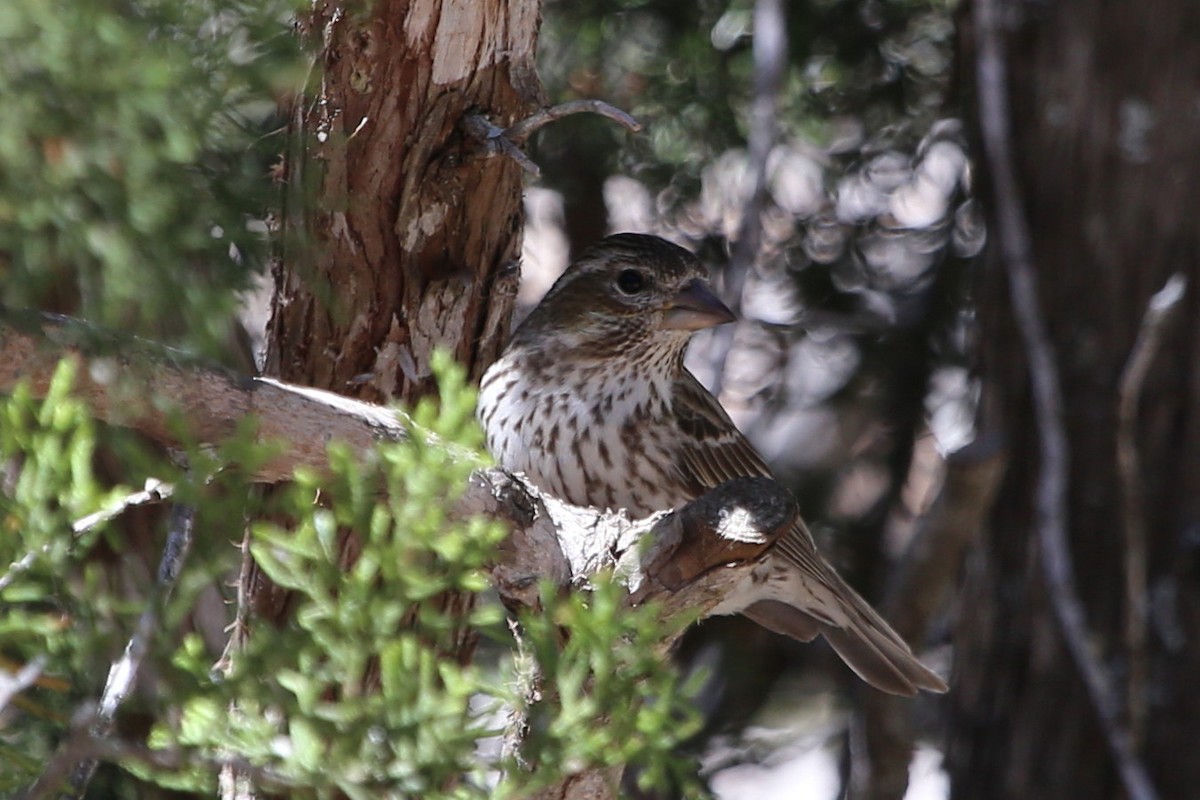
column 627, row 293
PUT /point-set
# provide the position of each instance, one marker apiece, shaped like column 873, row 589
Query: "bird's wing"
column 714, row 451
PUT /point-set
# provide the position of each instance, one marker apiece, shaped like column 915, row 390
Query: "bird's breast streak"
column 599, row 442
column 604, row 461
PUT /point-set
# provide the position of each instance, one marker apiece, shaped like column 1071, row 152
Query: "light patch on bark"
column 392, row 360
column 439, row 321
column 418, row 24
column 360, row 331
column 461, row 47
column 523, row 22
column 387, row 364
column 340, row 227
column 424, row 225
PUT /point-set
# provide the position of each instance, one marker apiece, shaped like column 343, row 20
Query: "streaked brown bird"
column 592, row 402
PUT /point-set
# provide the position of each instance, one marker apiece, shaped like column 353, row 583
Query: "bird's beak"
column 695, row 307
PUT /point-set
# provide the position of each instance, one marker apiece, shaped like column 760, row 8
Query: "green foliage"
column 46, row 449
column 55, row 485
column 391, row 615
column 133, row 156
column 614, row 697
column 364, row 690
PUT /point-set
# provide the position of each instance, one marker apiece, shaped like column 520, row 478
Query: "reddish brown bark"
column 410, row 236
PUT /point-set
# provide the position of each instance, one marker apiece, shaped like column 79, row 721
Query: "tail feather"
column 880, row 665
column 858, row 634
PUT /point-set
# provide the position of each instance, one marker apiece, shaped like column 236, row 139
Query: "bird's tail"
column 856, row 632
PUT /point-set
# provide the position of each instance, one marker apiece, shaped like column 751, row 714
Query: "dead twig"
column 1016, row 251
column 519, row 133
column 508, row 141
column 19, row 566
column 155, row 492
column 495, row 142
column 1159, row 313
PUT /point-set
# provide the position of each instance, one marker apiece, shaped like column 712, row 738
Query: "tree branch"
column 770, row 45
column 916, row 591
column 1158, row 315
column 125, row 381
column 508, row 141
column 519, row 133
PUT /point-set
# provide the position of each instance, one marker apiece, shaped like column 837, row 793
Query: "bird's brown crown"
column 615, row 296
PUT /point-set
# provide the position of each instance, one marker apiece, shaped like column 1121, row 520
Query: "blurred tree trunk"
column 1103, row 103
column 400, row 234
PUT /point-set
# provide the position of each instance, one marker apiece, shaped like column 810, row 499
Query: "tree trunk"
column 400, row 233
column 1102, row 107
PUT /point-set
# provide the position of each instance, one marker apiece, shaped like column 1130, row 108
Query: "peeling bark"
column 411, row 234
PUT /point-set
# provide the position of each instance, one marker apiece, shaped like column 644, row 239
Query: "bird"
column 591, row 400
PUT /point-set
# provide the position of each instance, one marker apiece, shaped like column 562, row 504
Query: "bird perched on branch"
column 592, row 402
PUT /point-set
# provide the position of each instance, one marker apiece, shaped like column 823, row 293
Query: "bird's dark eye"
column 630, row 281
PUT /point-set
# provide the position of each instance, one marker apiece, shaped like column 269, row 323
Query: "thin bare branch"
column 1159, row 313
column 508, row 141
column 19, row 566
column 1016, row 251
column 519, row 134
column 12, row 684
column 55, row 778
column 124, row 673
column 154, row 491
column 770, row 65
